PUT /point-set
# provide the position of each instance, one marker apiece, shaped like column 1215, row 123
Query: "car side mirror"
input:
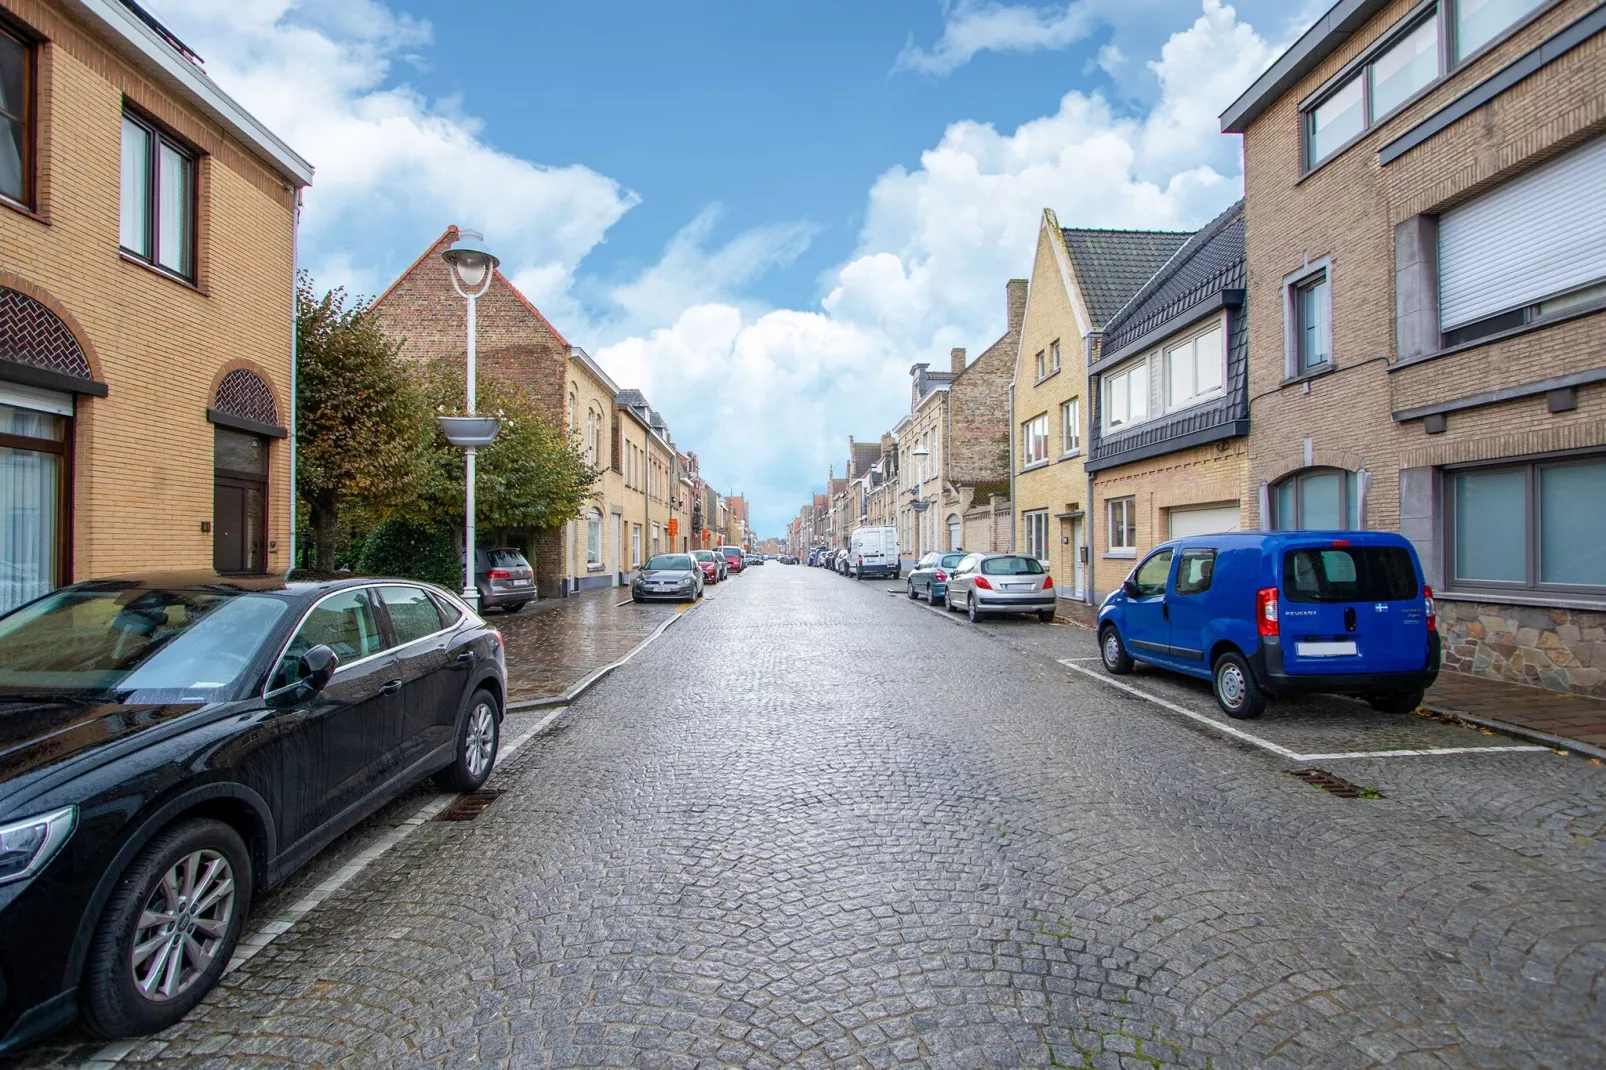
column 318, row 667
column 1130, row 588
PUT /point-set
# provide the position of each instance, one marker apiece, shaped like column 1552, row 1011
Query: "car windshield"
column 669, row 563
column 1012, row 566
column 140, row 644
column 1349, row 574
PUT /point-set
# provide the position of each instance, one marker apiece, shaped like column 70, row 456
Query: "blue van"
column 1280, row 613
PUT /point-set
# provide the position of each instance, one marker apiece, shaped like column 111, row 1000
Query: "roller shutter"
column 1536, row 236
column 1211, row 520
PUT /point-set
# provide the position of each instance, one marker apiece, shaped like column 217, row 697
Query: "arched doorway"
column 245, row 420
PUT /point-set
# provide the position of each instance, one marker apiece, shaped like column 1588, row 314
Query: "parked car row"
column 178, row 744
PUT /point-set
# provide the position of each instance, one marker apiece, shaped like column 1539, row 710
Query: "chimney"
column 1015, row 304
column 957, row 360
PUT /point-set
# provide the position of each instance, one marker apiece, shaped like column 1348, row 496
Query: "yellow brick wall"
column 592, row 396
column 1050, row 316
column 143, row 454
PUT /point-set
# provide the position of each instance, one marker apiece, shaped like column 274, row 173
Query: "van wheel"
column 1396, row 701
column 169, row 929
column 1117, row 662
column 1236, row 691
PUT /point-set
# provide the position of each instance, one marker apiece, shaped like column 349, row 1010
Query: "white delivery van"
column 874, row 552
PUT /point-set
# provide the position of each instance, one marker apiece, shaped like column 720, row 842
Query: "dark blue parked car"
column 1280, row 613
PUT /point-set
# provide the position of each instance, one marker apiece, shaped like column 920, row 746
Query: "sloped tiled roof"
column 865, row 454
column 1112, row 265
column 1210, row 261
column 634, row 398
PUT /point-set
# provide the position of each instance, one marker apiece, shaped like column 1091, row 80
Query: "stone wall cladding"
column 1347, row 210
column 1558, row 649
column 139, row 498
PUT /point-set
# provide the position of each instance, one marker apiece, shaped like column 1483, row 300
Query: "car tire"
column 914, row 595
column 1396, row 701
column 211, row 853
column 1236, row 691
column 1046, row 616
column 973, row 609
column 479, row 737
column 1112, row 652
column 514, row 607
column 947, row 602
column 933, row 595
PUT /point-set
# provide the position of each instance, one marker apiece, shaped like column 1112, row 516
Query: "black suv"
column 172, row 745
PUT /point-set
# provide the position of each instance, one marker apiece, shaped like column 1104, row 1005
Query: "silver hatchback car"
column 983, row 584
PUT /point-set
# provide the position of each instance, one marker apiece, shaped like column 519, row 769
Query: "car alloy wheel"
column 972, row 608
column 477, row 742
column 183, row 925
column 481, row 739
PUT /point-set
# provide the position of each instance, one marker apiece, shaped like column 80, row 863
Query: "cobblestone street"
column 815, row 824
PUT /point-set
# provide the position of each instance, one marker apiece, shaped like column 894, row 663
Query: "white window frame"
column 1071, row 426
column 1036, row 525
column 1128, row 508
column 594, row 539
column 1042, row 367
column 1034, row 432
column 1190, row 341
column 1054, row 354
column 1107, row 388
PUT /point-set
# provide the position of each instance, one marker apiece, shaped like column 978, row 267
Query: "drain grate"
column 1334, row 785
column 469, row 806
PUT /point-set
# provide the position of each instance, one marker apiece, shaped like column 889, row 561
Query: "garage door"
column 1206, row 521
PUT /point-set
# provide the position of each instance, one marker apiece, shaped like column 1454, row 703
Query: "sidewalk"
column 1572, row 722
column 555, row 643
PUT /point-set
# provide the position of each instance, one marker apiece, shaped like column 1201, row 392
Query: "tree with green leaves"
column 363, row 428
column 532, row 477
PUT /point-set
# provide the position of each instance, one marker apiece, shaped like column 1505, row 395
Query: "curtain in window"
column 30, row 512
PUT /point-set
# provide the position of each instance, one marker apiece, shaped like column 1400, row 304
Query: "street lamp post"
column 471, row 267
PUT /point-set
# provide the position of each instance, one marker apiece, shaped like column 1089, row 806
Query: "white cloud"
column 974, row 26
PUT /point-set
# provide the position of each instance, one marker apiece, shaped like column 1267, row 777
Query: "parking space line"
column 1275, row 748
column 270, row 930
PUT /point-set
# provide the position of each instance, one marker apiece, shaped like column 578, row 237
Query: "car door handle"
column 466, row 658
column 390, row 687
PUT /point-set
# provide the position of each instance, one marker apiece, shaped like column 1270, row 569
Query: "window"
column 1123, row 533
column 594, row 539
column 1151, row 576
column 33, row 456
column 1034, row 440
column 16, row 118
column 1196, row 369
column 1011, row 566
column 1037, row 534
column 1405, row 67
column 1042, row 371
column 1071, row 425
column 955, row 529
column 412, row 614
column 1533, row 247
column 1531, row 526
column 158, row 198
column 1335, row 121
column 1126, row 396
column 239, row 501
column 656, row 533
column 1054, row 355
column 1349, row 574
column 635, row 545
column 1477, row 22
column 1195, row 570
column 344, row 622
column 1310, row 308
column 1317, row 499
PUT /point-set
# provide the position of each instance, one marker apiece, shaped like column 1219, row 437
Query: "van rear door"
column 1350, row 607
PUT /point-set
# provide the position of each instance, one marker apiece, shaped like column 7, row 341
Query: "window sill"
column 24, row 210
column 596, row 568
column 1034, row 466
column 1070, row 454
column 1046, row 378
column 1523, row 598
column 1555, row 320
column 129, row 258
column 1120, row 555
column 1304, row 377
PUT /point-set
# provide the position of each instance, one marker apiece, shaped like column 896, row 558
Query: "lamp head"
column 471, row 263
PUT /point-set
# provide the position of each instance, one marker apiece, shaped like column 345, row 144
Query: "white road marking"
column 270, row 930
column 1266, row 744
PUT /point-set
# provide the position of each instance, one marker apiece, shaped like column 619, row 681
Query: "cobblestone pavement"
column 816, row 825
column 553, row 645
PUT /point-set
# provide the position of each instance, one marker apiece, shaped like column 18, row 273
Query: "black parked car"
column 504, row 577
column 173, row 745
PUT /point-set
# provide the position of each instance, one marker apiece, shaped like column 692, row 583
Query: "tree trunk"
column 325, row 508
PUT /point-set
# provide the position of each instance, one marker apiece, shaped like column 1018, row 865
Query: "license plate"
column 520, row 583
column 1325, row 650
column 1020, row 586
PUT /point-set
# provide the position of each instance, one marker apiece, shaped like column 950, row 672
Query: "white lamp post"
column 472, row 268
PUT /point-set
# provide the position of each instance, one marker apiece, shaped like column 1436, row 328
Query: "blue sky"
column 761, row 213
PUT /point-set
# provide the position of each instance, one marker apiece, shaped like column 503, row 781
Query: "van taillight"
column 500, row 574
column 981, row 581
column 1266, row 611
column 1433, row 610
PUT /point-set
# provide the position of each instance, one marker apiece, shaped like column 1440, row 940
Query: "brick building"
column 1080, row 279
column 1165, row 441
column 1426, row 195
column 145, row 352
